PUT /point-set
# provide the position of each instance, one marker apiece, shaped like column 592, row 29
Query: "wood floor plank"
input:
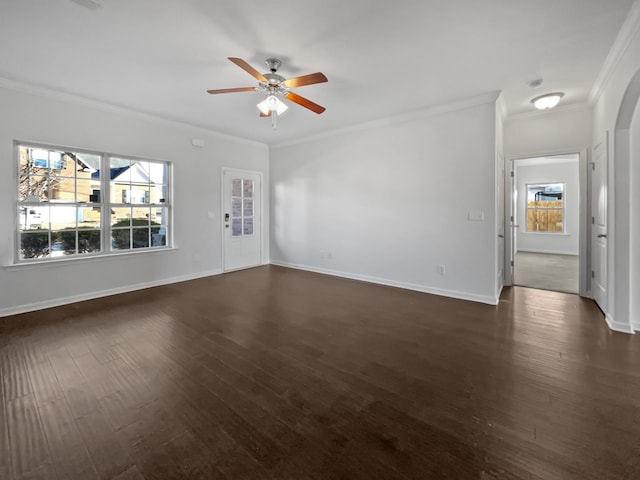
column 5, row 453
column 110, row 457
column 28, row 445
column 68, row 450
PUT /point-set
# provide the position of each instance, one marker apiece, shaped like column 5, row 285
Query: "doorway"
column 545, row 222
column 242, row 219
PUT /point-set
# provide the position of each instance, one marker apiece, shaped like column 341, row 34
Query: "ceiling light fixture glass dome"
column 547, row 101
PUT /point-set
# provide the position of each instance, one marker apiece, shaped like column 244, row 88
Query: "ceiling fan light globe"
column 263, row 107
column 281, row 107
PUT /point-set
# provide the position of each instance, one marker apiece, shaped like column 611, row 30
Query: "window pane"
column 88, row 165
column 139, row 194
column 89, row 217
column 160, row 216
column 248, row 226
column 545, row 221
column 545, row 192
column 158, row 194
column 545, row 207
column 140, row 171
column 84, row 190
column 121, row 239
column 33, row 218
column 236, row 227
column 236, row 207
column 62, row 190
column 120, row 170
column 34, row 244
column 247, row 187
column 141, row 217
column 248, row 207
column 158, row 237
column 120, row 217
column 158, row 173
column 88, row 241
column 236, row 187
column 140, row 237
column 120, row 192
column 34, row 188
column 63, row 217
column 64, row 242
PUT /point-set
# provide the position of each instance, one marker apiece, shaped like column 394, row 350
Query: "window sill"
column 86, row 259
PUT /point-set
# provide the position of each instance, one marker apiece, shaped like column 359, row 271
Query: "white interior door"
column 599, row 225
column 241, row 216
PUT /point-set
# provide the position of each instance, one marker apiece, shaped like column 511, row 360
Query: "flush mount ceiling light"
column 545, row 102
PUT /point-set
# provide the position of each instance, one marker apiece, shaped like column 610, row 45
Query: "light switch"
column 476, row 216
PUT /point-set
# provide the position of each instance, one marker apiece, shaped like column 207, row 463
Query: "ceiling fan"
column 275, row 86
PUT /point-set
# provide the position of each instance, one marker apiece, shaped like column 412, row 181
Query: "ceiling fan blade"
column 310, row 79
column 231, row 90
column 249, row 69
column 295, row 98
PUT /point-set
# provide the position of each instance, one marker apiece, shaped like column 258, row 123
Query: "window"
column 83, row 203
column 545, row 208
column 241, row 207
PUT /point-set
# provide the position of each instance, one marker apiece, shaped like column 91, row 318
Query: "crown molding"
column 31, row 89
column 395, row 119
column 626, row 34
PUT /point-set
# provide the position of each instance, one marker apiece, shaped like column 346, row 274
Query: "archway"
column 626, row 197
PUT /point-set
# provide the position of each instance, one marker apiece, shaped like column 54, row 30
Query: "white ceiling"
column 382, row 58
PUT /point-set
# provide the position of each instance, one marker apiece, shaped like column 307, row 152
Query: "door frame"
column 584, row 262
column 223, row 170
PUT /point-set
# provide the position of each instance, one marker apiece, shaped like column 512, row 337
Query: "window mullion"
column 105, row 204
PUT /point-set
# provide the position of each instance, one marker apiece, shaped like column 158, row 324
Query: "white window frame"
column 105, row 203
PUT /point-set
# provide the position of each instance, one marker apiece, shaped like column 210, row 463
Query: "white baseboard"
column 393, row 283
column 5, row 312
column 552, row 252
column 618, row 326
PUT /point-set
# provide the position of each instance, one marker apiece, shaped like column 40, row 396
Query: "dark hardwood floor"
column 283, row 374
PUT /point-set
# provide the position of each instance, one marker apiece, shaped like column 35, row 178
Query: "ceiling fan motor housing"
column 273, row 64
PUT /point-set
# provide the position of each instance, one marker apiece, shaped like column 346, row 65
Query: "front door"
column 241, row 219
column 599, row 221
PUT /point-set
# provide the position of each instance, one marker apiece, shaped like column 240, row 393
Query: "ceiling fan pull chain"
column 273, row 119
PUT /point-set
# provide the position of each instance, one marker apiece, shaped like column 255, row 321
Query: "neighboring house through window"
column 68, row 206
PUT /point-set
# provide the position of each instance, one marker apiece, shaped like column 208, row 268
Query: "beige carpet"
column 546, row 271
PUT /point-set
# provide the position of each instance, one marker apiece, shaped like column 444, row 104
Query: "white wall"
column 562, row 130
column 389, row 201
column 618, row 76
column 34, row 116
column 549, row 171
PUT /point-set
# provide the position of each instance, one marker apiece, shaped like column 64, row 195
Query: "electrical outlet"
column 442, row 270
